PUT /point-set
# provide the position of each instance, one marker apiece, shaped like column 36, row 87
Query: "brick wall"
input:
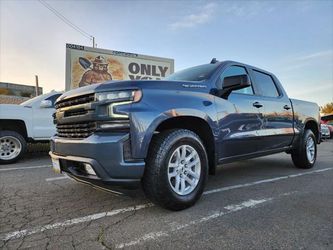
column 9, row 99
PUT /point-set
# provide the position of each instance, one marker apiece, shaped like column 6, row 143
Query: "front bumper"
column 104, row 153
column 325, row 135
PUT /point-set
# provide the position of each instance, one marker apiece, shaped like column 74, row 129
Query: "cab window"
column 234, row 71
column 266, row 84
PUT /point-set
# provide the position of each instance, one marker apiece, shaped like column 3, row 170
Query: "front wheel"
column 12, row 146
column 176, row 170
column 306, row 155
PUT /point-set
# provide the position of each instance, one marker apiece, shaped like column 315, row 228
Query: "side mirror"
column 45, row 104
column 231, row 83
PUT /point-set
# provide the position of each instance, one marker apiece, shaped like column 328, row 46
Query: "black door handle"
column 257, row 104
column 286, row 107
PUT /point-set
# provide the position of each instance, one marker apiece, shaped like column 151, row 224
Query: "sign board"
column 87, row 65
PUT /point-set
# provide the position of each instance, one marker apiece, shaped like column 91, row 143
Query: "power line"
column 64, row 19
column 67, row 21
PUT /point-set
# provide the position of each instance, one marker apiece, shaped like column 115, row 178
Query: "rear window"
column 266, row 84
column 197, row 73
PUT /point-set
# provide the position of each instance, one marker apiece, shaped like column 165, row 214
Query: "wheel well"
column 313, row 126
column 14, row 125
column 198, row 126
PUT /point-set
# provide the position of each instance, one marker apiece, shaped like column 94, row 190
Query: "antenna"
column 213, row 61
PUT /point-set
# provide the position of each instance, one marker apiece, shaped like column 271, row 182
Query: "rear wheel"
column 176, row 169
column 306, row 155
column 12, row 146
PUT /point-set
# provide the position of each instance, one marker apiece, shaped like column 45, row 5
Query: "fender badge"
column 194, row 86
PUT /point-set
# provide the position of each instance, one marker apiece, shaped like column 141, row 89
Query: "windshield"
column 197, row 73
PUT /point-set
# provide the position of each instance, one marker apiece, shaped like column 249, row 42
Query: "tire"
column 12, row 146
column 302, row 157
column 160, row 183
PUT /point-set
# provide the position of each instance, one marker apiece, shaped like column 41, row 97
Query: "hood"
column 152, row 84
column 11, row 106
column 138, row 84
column 11, row 109
column 79, row 91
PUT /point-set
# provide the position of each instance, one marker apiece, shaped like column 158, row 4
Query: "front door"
column 239, row 130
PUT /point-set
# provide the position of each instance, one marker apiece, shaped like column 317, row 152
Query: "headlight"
column 120, row 96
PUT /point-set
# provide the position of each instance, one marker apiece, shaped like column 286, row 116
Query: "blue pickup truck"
column 170, row 135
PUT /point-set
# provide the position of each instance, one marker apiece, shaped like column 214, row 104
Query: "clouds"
column 234, row 10
column 226, row 9
column 308, row 60
column 316, row 56
column 204, row 15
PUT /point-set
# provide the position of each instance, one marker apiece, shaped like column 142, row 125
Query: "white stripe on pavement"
column 23, row 168
column 57, row 178
column 227, row 210
column 265, row 181
column 25, row 232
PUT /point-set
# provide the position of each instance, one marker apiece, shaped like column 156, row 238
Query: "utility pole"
column 93, row 38
column 37, row 87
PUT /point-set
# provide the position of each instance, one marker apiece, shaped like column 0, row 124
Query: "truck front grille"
column 77, row 130
column 75, row 101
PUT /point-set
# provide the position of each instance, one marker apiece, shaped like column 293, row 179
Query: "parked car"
column 328, row 120
column 325, row 132
column 330, row 127
column 170, row 134
column 31, row 121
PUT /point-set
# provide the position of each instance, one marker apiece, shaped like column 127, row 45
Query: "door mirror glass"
column 46, row 104
column 235, row 82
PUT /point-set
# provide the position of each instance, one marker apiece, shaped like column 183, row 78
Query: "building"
column 12, row 93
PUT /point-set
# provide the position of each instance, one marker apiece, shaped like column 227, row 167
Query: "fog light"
column 89, row 169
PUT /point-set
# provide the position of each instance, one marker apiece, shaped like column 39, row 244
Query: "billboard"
column 87, row 65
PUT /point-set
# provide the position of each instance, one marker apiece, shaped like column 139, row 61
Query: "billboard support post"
column 37, row 86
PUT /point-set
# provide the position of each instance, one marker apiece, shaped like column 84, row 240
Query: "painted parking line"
column 26, row 232
column 24, row 168
column 265, row 181
column 224, row 211
column 57, row 178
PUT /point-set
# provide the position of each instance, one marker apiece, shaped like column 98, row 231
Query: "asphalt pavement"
column 263, row 203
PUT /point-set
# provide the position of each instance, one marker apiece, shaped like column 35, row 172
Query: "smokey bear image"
column 97, row 74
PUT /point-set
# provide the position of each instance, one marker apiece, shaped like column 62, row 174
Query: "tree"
column 327, row 109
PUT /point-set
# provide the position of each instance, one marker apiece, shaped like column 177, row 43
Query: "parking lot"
column 263, row 203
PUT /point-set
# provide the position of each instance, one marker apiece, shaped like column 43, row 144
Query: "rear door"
column 239, row 130
column 277, row 110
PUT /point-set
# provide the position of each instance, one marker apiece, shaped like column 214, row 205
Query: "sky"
column 292, row 39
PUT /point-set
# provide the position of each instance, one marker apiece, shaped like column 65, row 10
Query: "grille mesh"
column 77, row 130
column 75, row 101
